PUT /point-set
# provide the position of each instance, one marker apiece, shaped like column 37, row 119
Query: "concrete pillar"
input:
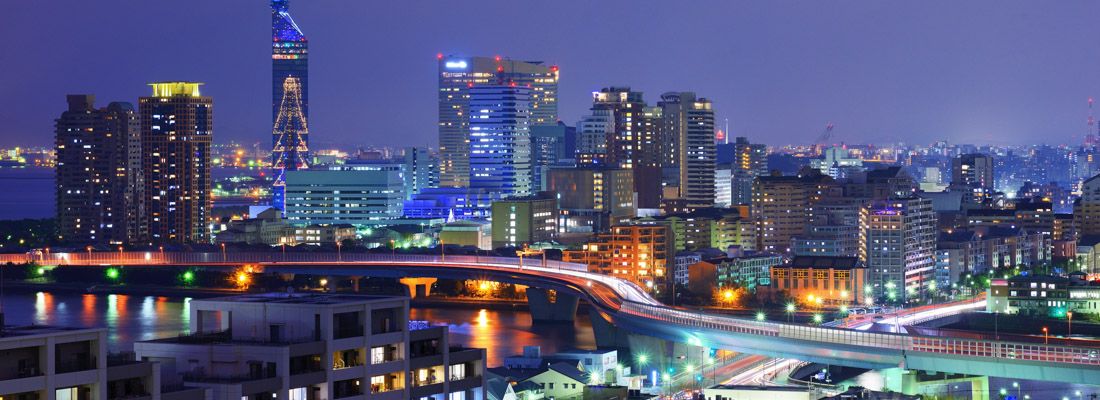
column 418, row 286
column 562, row 308
column 607, row 334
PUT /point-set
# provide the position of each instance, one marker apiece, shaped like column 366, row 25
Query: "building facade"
column 816, row 280
column 525, row 220
column 781, row 207
column 360, row 195
column 176, row 132
column 897, row 243
column 500, row 139
column 310, row 346
column 99, row 184
column 633, row 252
column 592, row 199
column 972, row 175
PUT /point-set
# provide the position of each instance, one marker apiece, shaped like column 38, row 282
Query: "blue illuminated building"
column 450, row 204
column 289, row 69
column 500, row 139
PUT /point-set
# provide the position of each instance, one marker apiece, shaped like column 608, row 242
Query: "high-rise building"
column 176, row 131
column 291, row 137
column 897, row 243
column 500, row 139
column 289, row 58
column 594, row 131
column 972, row 174
column 781, row 207
column 99, row 181
column 687, row 129
column 457, row 75
column 633, row 140
column 749, row 161
column 592, row 199
column 550, row 145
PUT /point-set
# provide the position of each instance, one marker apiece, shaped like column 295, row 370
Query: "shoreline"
column 181, row 292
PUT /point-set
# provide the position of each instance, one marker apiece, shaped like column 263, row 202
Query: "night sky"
column 1000, row 72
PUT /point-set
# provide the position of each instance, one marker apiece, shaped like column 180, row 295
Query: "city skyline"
column 1003, row 74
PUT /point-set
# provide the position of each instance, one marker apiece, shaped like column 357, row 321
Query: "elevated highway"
column 627, row 307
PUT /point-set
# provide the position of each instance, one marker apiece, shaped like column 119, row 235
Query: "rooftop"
column 823, row 262
column 34, row 330
column 301, row 298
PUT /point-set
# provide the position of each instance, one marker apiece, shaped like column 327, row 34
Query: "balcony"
column 76, row 364
column 345, row 332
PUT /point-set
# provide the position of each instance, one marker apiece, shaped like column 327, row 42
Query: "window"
column 298, row 394
column 71, row 393
column 458, row 371
column 456, row 396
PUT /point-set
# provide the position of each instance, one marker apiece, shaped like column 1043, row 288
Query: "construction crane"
column 826, row 135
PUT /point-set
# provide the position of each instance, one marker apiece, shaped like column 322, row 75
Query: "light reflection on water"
column 130, row 318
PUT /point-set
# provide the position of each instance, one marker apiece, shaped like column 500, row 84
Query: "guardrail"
column 887, row 341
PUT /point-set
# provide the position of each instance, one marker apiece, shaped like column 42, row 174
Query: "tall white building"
column 897, row 244
column 316, row 346
column 500, row 139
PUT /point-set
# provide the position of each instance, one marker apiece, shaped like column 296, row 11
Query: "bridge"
column 621, row 307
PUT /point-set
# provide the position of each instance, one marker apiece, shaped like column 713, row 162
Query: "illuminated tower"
column 291, row 135
column 289, row 59
column 176, row 132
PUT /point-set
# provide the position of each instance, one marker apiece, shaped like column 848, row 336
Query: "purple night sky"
column 1000, row 72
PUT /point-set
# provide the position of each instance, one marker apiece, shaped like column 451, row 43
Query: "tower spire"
column 291, row 132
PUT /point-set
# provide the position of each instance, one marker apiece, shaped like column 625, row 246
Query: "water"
column 130, row 318
column 35, row 197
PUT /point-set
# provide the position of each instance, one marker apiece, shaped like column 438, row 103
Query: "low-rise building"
column 981, row 249
column 821, row 280
column 633, row 252
column 308, row 346
column 471, row 232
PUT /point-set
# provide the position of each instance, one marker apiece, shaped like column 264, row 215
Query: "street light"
column 339, row 253
column 224, row 256
column 760, row 316
column 393, row 248
column 790, row 312
column 1046, row 336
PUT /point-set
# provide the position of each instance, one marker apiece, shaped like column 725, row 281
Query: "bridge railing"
column 156, row 257
column 890, row 341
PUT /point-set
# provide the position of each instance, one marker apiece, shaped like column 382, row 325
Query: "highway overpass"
column 622, row 307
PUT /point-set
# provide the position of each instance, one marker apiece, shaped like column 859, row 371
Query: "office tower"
column 500, row 139
column 356, row 194
column 897, row 243
column 972, row 174
column 176, row 131
column 832, row 229
column 749, row 161
column 291, row 132
column 421, row 170
column 520, row 221
column 550, row 145
column 687, row 129
column 289, row 59
column 592, row 199
column 301, row 346
column 781, row 207
column 457, row 75
column 98, row 174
